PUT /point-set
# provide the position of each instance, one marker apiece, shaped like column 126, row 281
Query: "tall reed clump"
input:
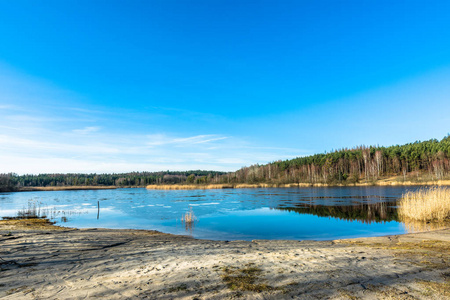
column 189, row 218
column 431, row 204
column 33, row 212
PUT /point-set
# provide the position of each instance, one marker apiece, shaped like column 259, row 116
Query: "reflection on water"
column 419, row 226
column 278, row 213
column 381, row 212
column 364, row 213
column 39, row 210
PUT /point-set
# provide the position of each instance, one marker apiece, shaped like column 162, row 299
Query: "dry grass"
column 439, row 290
column 223, row 186
column 32, row 212
column 188, row 186
column 64, row 188
column 189, row 217
column 29, row 224
column 386, row 292
column 246, row 279
column 384, row 182
column 431, row 204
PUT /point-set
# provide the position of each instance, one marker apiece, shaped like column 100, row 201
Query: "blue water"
column 228, row 214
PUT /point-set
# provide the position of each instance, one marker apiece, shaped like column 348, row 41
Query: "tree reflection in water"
column 366, row 213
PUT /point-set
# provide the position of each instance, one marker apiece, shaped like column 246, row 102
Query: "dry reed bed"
column 225, row 186
column 431, row 204
column 66, row 188
column 288, row 185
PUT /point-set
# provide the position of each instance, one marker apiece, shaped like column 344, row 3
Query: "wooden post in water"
column 98, row 209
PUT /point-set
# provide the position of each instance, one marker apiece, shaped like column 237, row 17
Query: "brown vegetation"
column 246, row 279
column 65, row 188
column 385, row 182
column 189, row 217
column 426, row 205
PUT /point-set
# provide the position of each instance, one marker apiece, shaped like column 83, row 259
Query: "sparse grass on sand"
column 431, row 204
column 245, row 279
column 436, row 289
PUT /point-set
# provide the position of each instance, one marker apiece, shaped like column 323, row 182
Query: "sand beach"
column 43, row 261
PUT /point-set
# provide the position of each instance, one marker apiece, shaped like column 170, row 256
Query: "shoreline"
column 64, row 188
column 292, row 185
column 234, row 186
column 117, row 264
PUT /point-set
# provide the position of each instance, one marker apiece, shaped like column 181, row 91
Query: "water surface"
column 223, row 214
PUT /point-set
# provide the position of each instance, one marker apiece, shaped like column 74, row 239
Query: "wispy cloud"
column 7, row 106
column 161, row 139
column 86, row 130
column 211, row 140
column 56, row 137
column 53, row 151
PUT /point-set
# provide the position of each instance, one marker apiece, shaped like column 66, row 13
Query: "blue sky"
column 117, row 86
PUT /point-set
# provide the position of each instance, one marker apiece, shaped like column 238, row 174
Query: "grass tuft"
column 245, row 279
column 189, row 217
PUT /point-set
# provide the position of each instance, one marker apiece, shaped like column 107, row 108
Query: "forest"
column 418, row 161
column 11, row 182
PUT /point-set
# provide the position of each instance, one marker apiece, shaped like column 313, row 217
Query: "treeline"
column 6, row 183
column 427, row 160
column 10, row 182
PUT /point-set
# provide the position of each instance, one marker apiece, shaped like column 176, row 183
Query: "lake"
column 223, row 214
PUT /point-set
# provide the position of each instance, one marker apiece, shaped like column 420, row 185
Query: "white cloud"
column 161, row 139
column 86, row 130
column 7, row 107
column 54, row 151
column 40, row 133
column 211, row 140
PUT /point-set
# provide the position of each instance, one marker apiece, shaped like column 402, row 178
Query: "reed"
column 431, row 204
column 64, row 188
column 32, row 212
column 189, row 217
column 219, row 186
column 188, row 186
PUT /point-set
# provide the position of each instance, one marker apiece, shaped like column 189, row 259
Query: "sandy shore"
column 41, row 261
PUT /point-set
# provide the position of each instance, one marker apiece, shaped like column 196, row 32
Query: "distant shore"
column 291, row 185
column 64, row 188
column 385, row 182
column 60, row 263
